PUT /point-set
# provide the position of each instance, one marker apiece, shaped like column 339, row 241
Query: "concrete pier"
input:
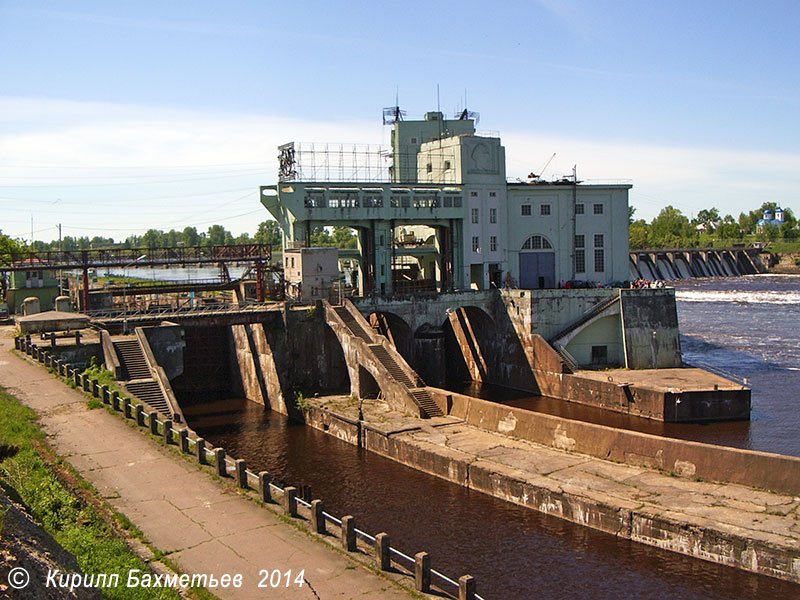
column 744, row 527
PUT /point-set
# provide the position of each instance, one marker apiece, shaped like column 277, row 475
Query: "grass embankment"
column 75, row 524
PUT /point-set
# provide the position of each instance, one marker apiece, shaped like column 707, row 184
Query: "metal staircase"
column 354, row 326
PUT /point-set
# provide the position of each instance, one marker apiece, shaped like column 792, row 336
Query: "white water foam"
column 761, row 297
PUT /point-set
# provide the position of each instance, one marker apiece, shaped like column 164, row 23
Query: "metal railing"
column 261, row 482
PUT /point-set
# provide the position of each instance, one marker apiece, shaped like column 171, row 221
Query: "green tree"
column 219, row 236
column 10, row 247
column 344, row 237
column 639, row 233
column 671, row 228
column 729, row 230
column 269, row 232
column 152, row 238
column 190, row 237
column 709, row 218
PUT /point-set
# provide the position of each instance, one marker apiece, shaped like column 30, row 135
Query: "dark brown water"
column 516, row 553
column 745, row 326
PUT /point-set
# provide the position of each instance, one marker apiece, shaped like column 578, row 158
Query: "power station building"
column 436, row 212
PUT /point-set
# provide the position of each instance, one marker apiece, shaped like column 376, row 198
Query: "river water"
column 517, row 553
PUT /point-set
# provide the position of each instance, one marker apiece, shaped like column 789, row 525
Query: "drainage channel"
column 513, row 552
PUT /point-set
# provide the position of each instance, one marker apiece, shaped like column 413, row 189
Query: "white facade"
column 486, row 232
column 310, row 272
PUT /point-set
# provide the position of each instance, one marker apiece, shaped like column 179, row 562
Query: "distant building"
column 777, row 219
column 25, row 284
column 442, row 215
column 310, row 273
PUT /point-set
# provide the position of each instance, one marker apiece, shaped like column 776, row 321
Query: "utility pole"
column 574, row 204
column 60, row 275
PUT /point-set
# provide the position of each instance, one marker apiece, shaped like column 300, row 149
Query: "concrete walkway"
column 205, row 527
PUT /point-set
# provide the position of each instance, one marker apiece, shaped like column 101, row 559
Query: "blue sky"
column 116, row 117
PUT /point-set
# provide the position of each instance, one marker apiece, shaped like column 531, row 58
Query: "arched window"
column 537, row 242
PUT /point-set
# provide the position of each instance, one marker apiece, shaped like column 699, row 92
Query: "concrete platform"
column 52, row 320
column 687, row 379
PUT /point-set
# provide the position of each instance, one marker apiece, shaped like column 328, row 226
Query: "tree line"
column 268, row 232
column 673, row 229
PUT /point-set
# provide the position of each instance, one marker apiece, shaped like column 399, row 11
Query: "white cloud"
column 103, row 169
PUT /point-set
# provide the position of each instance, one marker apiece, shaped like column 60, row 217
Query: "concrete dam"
column 666, row 265
column 370, row 373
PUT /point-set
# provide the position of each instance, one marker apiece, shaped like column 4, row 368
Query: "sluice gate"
column 694, row 262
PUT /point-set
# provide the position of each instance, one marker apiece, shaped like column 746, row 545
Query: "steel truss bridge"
column 260, row 255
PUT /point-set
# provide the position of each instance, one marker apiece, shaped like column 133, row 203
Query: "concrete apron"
column 734, row 525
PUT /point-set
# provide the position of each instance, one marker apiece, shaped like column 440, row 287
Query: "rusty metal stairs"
column 139, row 381
column 416, row 387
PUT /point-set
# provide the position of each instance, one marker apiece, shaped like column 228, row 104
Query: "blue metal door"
column 537, row 270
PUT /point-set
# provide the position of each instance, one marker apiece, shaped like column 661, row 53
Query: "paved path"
column 204, row 526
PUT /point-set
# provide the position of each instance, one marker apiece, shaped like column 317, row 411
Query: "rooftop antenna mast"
column 466, row 113
column 393, row 114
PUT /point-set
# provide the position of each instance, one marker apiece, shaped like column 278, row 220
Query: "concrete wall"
column 692, row 459
column 166, row 342
column 650, row 326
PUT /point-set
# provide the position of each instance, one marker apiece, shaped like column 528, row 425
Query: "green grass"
column 78, row 528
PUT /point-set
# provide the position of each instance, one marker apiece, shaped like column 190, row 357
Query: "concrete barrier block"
column 183, row 439
column 167, row 432
column 349, row 533
column 422, row 572
column 290, row 501
column 317, row 518
column 382, row 551
column 200, row 450
column 219, row 461
column 154, row 422
column 240, row 472
column 466, row 587
column 264, row 491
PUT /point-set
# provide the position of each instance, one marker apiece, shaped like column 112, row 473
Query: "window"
column 493, row 243
column 492, row 215
column 536, row 242
column 580, row 260
column 544, row 210
column 447, row 165
column 473, row 194
column 371, row 201
column 580, row 254
column 599, row 355
column 474, row 215
column 429, row 167
column 579, row 209
column 492, row 194
column 598, row 240
column 399, row 201
column 599, row 260
column 476, row 243
column 413, row 140
column 597, row 209
column 525, row 210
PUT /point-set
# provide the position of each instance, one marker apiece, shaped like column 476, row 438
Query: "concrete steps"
column 131, row 357
column 391, row 365
column 149, row 391
column 414, row 385
column 354, row 326
column 139, row 381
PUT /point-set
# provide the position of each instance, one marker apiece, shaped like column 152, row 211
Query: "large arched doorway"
column 537, row 264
